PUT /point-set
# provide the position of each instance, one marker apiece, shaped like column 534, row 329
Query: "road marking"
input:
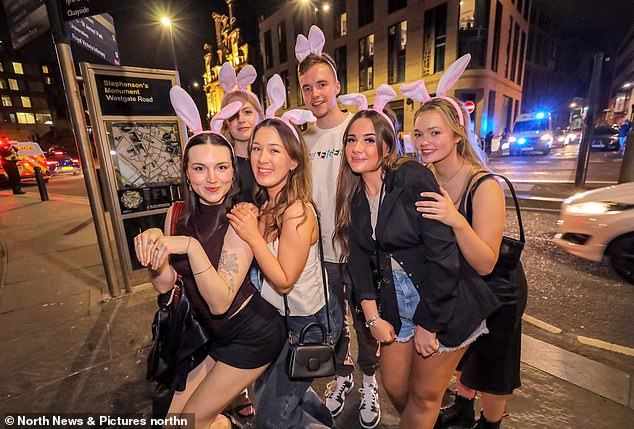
column 543, row 162
column 519, row 162
column 606, row 346
column 540, row 324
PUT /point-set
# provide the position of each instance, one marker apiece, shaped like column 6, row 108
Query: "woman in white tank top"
column 285, row 245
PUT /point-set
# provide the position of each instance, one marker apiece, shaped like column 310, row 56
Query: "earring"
column 189, row 184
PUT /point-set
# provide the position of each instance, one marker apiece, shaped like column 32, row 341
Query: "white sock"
column 369, row 379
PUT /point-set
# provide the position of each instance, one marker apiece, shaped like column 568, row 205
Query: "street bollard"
column 41, row 185
column 627, row 164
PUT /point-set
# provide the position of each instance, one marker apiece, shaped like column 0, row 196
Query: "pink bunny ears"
column 230, row 82
column 277, row 95
column 418, row 92
column 186, row 109
column 314, row 45
column 384, row 94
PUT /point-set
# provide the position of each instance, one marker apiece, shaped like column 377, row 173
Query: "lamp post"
column 168, row 23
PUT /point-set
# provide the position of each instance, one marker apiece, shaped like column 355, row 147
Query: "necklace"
column 453, row 176
column 373, row 202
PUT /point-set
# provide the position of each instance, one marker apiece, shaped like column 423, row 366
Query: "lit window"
column 17, row 68
column 1, row 67
column 26, row 101
column 6, row 101
column 3, row 84
column 25, row 118
column 45, row 69
column 48, row 80
column 13, row 84
column 43, row 118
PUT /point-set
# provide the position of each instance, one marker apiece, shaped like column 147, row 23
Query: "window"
column 497, row 29
column 287, row 86
column 300, row 96
column 516, row 37
column 1, row 67
column 48, row 80
column 394, row 5
column 341, row 59
column 44, row 118
column 473, row 31
column 366, row 63
column 517, row 109
column 507, row 112
column 508, row 50
column 520, row 69
column 366, row 12
column 490, row 119
column 13, row 118
column 25, row 118
column 6, row 101
column 17, row 68
column 268, row 50
column 3, row 84
column 26, row 101
column 397, row 42
column 340, row 18
column 45, row 69
column 13, row 84
column 434, row 39
column 281, row 42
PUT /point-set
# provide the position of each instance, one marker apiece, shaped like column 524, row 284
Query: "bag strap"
column 177, row 209
column 287, row 311
column 511, row 188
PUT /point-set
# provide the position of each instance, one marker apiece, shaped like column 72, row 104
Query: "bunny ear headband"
column 232, row 83
column 384, row 94
column 277, row 94
column 314, row 44
column 418, row 92
column 186, row 110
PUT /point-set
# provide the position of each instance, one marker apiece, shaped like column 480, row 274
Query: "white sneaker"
column 336, row 392
column 370, row 409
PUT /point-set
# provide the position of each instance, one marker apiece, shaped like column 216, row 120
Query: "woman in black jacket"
column 418, row 297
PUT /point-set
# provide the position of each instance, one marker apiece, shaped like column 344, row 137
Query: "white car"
column 598, row 224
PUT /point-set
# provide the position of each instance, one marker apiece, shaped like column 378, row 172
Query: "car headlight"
column 561, row 139
column 512, row 139
column 521, row 140
column 546, row 137
column 597, row 207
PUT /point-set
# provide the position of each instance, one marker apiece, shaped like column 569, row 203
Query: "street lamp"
column 168, row 23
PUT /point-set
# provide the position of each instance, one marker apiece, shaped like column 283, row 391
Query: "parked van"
column 532, row 132
column 31, row 156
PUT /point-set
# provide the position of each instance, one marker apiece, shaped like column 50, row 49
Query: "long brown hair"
column 187, row 218
column 243, row 96
column 298, row 186
column 350, row 183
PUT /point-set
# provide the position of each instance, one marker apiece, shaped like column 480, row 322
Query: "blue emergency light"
column 540, row 115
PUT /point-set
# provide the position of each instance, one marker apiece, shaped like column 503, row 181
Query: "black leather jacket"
column 454, row 298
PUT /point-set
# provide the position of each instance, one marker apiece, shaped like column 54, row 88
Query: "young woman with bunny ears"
column 492, row 363
column 212, row 261
column 406, row 270
column 285, row 243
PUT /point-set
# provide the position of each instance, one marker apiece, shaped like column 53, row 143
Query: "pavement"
column 69, row 348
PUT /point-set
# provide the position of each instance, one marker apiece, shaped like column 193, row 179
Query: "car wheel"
column 546, row 152
column 621, row 255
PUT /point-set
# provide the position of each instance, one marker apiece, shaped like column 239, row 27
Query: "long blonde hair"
column 350, row 183
column 243, row 96
column 298, row 186
column 467, row 149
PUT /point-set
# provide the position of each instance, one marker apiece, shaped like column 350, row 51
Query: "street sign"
column 470, row 105
column 74, row 9
column 27, row 20
column 95, row 34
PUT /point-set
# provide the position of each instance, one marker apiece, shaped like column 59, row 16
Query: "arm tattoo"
column 228, row 268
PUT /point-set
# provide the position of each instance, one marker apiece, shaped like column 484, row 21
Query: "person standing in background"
column 9, row 158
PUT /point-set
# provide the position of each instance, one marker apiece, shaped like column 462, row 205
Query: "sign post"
column 138, row 138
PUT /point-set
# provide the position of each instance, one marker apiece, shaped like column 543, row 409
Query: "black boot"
column 459, row 413
column 483, row 423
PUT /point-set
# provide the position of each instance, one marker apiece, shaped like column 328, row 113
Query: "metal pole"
column 593, row 105
column 76, row 110
column 173, row 51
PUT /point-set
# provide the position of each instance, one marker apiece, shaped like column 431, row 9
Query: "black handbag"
column 311, row 360
column 502, row 279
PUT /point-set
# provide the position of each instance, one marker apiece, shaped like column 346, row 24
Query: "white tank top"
column 307, row 296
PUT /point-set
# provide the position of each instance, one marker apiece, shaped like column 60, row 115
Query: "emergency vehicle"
column 31, row 156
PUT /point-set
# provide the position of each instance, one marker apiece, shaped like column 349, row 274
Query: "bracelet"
column 371, row 321
column 206, row 269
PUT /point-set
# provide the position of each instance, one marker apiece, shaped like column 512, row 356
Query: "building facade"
column 397, row 41
column 622, row 99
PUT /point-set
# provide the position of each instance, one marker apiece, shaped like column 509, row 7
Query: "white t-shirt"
column 326, row 149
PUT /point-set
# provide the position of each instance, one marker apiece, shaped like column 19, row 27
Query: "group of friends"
column 399, row 253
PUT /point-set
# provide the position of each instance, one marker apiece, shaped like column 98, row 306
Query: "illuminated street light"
column 166, row 21
column 573, row 105
column 325, row 7
column 195, row 85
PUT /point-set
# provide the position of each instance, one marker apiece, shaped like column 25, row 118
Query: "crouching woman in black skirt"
column 247, row 333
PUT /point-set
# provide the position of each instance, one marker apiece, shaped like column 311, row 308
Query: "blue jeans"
column 284, row 403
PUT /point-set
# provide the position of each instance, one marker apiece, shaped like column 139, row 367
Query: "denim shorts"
column 408, row 298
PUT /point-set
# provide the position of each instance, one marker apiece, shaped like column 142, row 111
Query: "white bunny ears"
column 384, row 94
column 277, row 95
column 230, row 82
column 418, row 92
column 313, row 44
column 186, row 110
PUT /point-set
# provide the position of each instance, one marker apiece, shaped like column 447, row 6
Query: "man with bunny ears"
column 319, row 85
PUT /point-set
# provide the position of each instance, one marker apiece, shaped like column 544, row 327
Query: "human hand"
column 441, row 208
column 425, row 342
column 383, row 331
column 172, row 245
column 144, row 244
column 244, row 220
